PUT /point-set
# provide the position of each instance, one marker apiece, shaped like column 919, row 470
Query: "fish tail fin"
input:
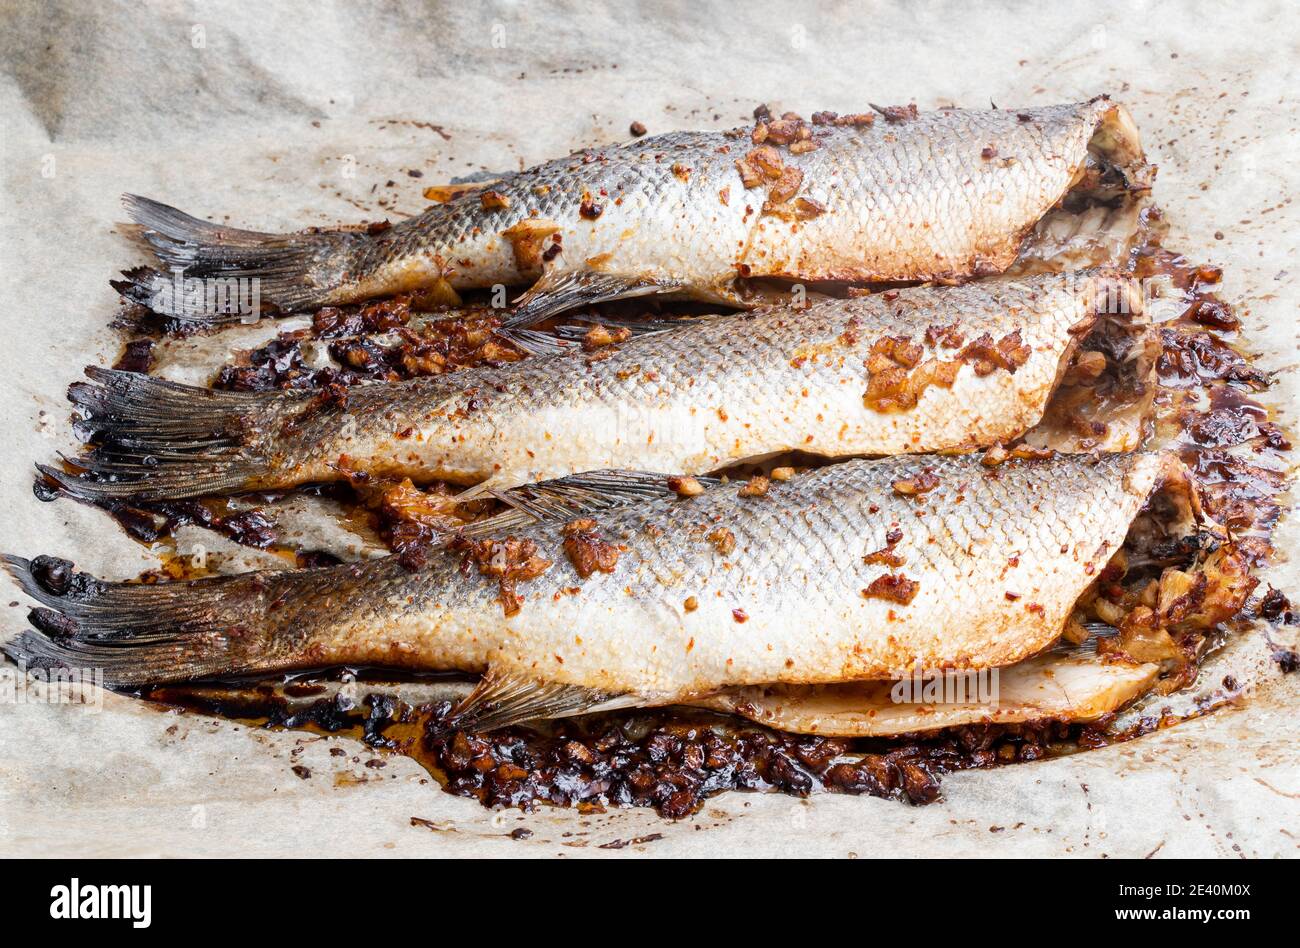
column 505, row 698
column 242, row 273
column 141, row 633
column 154, row 439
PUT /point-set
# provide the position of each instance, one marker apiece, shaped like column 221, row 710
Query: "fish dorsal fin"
column 577, row 495
column 505, row 698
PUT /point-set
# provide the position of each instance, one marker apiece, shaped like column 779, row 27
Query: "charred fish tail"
column 138, row 633
column 155, row 439
column 240, row 273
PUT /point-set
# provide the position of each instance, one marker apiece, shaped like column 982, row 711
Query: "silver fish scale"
column 904, row 200
column 796, row 571
column 926, row 185
column 775, row 370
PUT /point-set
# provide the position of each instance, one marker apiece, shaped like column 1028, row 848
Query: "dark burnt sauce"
column 671, row 759
column 1207, row 408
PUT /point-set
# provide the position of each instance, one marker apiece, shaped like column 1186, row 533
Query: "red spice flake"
column 637, row 129
column 333, row 396
column 894, row 114
column 378, row 317
column 946, row 337
column 854, row 119
column 800, row 209
column 756, row 486
column 724, row 196
column 891, row 351
column 785, row 186
column 921, row 483
column 740, row 615
column 988, row 151
column 510, row 560
column 898, row 379
column 1011, row 597
column 1007, row 353
column 402, row 501
column 1023, row 452
column 751, row 176
column 894, row 587
column 598, row 336
column 681, row 172
column 685, row 486
column 788, row 130
column 527, row 238
column 723, row 540
column 896, row 387
column 886, row 555
column 590, row 209
column 586, row 550
column 761, row 164
column 137, row 357
column 1213, row 313
column 995, row 456
column 493, row 200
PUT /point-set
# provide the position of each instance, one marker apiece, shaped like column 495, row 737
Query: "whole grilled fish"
column 889, row 198
column 866, row 569
column 907, row 371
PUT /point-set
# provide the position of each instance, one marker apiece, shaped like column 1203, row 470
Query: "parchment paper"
column 283, row 115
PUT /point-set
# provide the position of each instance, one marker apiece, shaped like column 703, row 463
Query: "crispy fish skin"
column 942, row 195
column 909, row 371
column 867, row 569
column 1061, row 684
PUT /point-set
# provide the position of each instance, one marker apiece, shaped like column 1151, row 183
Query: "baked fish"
column 907, row 371
column 894, row 197
column 863, row 570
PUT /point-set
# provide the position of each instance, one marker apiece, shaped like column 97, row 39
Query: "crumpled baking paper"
column 291, row 114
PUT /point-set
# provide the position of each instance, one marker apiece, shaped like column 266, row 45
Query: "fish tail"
column 155, row 439
column 240, row 273
column 140, row 633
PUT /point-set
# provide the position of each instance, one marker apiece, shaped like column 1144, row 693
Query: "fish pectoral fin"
column 576, row 495
column 557, row 291
column 505, row 698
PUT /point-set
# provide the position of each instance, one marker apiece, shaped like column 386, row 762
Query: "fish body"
column 908, row 197
column 866, row 569
column 908, row 371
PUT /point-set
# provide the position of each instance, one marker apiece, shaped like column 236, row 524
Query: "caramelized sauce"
column 670, row 759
